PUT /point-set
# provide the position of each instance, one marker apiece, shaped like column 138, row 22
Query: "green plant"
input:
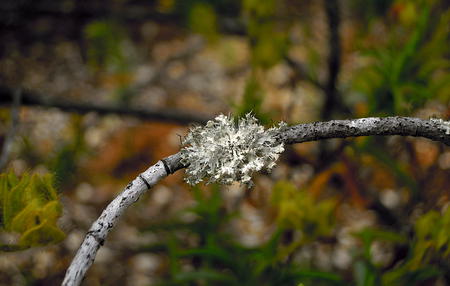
column 221, row 260
column 412, row 66
column 29, row 206
column 427, row 259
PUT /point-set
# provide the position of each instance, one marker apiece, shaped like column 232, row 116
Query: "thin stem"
column 30, row 98
column 332, row 100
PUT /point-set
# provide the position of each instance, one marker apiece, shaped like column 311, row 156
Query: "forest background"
column 94, row 92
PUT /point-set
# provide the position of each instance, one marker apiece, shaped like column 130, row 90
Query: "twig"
column 10, row 135
column 133, row 13
column 301, row 72
column 30, row 98
column 405, row 126
column 332, row 101
column 96, row 235
column 334, row 58
column 194, row 45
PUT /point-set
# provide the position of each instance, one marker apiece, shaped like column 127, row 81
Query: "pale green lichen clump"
column 226, row 151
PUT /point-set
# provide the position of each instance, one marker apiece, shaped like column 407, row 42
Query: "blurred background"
column 94, row 92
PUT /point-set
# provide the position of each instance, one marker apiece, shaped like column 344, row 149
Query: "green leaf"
column 258, row 8
column 30, row 207
column 298, row 209
column 105, row 49
column 13, row 200
column 26, row 218
column 407, row 70
column 365, row 274
column 443, row 235
column 428, row 251
column 41, row 235
column 319, row 275
column 369, row 235
column 375, row 234
column 203, row 20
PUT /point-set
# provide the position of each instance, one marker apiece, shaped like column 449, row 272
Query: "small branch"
column 10, row 135
column 334, row 58
column 84, row 12
column 194, row 45
column 95, row 237
column 301, row 72
column 404, row 126
column 30, row 98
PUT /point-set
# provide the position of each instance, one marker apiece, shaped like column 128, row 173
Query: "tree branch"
column 301, row 72
column 405, row 126
column 96, row 235
column 334, row 58
column 30, row 98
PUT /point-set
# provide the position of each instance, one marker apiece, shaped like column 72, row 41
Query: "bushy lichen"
column 225, row 151
column 445, row 124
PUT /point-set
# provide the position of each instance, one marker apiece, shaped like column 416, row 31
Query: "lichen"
column 226, row 151
column 445, row 124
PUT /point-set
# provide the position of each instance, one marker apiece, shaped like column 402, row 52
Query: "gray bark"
column 96, row 235
column 404, row 126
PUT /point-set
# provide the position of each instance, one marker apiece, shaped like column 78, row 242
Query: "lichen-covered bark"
column 96, row 235
column 405, row 126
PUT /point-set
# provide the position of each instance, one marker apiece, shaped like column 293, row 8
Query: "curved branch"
column 405, row 126
column 96, row 235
